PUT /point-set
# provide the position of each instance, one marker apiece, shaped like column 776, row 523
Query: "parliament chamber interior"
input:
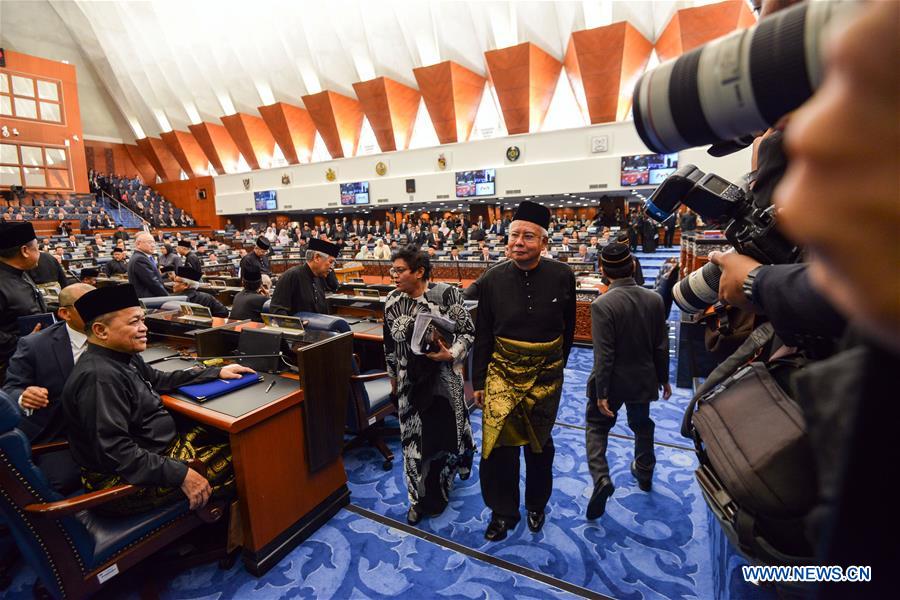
column 285, row 287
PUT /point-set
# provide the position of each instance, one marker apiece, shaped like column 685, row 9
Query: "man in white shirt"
column 36, row 376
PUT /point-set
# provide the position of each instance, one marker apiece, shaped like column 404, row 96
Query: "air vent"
column 248, row 210
column 332, row 204
column 513, row 191
column 288, row 206
column 598, row 186
column 442, row 196
column 381, row 200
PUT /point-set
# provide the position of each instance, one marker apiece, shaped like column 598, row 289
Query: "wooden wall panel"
column 217, row 145
column 187, row 152
column 391, row 109
column 68, row 132
column 604, row 63
column 122, row 163
column 524, row 77
column 338, row 119
column 693, row 27
column 293, row 130
column 184, row 194
column 160, row 157
column 252, row 137
column 141, row 163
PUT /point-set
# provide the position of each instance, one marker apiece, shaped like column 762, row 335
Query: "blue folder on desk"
column 201, row 392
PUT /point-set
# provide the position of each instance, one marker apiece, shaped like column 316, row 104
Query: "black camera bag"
column 757, row 471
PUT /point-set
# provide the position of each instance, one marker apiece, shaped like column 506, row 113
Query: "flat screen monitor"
column 267, row 200
column 355, row 193
column 476, row 183
column 647, row 169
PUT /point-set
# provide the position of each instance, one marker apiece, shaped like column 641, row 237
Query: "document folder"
column 201, row 392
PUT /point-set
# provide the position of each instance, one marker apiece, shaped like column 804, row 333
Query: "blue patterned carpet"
column 662, row 544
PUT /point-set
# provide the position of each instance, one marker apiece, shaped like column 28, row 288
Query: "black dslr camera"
column 749, row 227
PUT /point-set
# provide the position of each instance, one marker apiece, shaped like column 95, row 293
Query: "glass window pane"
column 32, row 156
column 58, row 178
column 10, row 176
column 5, row 105
column 27, row 109
column 50, row 112
column 4, row 83
column 47, row 90
column 9, row 154
column 23, row 86
column 56, row 157
column 34, row 177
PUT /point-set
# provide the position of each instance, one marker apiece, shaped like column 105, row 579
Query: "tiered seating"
column 142, row 199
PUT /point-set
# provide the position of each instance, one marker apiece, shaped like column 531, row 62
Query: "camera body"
column 748, row 227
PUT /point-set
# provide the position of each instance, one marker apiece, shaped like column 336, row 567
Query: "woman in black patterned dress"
column 434, row 421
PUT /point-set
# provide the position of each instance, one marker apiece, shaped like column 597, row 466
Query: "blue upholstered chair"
column 72, row 549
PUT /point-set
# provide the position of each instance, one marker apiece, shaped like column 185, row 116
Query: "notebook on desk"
column 201, row 392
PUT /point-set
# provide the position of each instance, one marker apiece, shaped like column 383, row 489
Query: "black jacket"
column 631, row 344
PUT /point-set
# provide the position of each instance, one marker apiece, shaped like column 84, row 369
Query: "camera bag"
column 757, row 470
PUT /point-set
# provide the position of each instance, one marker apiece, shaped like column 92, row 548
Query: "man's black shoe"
column 597, row 504
column 644, row 481
column 498, row 528
column 535, row 520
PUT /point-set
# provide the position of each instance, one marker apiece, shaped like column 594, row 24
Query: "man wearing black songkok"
column 19, row 297
column 119, row 430
column 256, row 259
column 302, row 288
column 523, row 333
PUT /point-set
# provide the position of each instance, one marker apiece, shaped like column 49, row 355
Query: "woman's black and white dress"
column 434, row 421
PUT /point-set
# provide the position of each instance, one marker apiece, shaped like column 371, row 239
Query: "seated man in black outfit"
column 119, row 431
column 248, row 303
column 187, row 280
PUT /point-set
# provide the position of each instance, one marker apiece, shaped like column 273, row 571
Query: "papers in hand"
column 421, row 331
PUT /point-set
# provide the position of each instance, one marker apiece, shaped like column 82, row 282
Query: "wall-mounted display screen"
column 355, row 193
column 476, row 183
column 647, row 169
column 267, row 200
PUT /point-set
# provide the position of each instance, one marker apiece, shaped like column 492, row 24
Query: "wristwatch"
column 747, row 286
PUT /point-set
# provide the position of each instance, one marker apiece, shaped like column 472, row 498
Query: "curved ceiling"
column 169, row 64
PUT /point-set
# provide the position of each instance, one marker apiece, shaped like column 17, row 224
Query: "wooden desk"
column 289, row 472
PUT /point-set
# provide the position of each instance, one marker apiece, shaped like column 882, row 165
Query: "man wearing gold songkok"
column 523, row 334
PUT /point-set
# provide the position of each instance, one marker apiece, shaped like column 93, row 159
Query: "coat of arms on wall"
column 330, row 175
column 246, row 183
column 513, row 153
column 380, row 168
column 286, row 179
column 442, row 162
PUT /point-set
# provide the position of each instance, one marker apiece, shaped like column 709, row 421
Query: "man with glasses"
column 36, row 377
column 302, row 288
column 18, row 295
column 523, row 333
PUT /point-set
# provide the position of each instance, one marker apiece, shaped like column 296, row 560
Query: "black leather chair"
column 72, row 548
column 370, row 396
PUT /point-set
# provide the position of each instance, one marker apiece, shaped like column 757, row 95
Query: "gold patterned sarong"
column 521, row 393
column 197, row 443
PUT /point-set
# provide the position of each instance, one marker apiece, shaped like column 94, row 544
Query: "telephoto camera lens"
column 699, row 290
column 738, row 84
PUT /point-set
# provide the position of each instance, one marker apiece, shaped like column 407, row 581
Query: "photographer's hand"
column 735, row 268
